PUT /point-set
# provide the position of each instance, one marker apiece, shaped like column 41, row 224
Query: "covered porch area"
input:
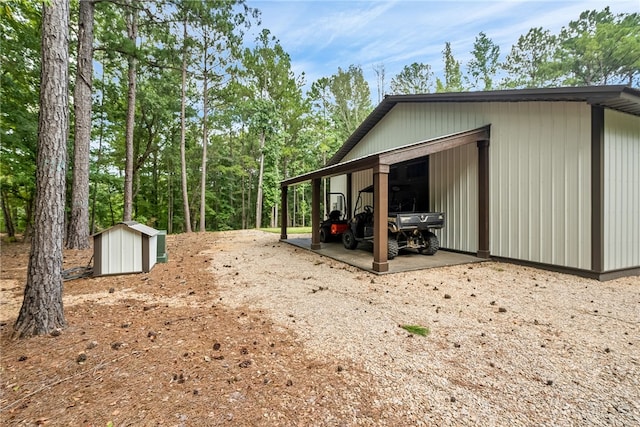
column 361, row 257
column 379, row 164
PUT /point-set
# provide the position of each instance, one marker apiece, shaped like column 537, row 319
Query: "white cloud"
column 321, row 36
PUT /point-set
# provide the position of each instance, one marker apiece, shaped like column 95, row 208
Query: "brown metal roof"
column 619, row 97
column 395, row 155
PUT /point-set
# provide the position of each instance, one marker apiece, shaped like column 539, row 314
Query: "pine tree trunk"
column 42, row 310
column 155, row 190
column 28, row 228
column 132, row 32
column 92, row 225
column 295, row 200
column 183, row 161
column 203, row 179
column 250, row 186
column 78, row 230
column 325, row 196
column 260, row 179
column 170, row 202
column 244, row 211
column 304, row 214
column 6, row 214
column 274, row 216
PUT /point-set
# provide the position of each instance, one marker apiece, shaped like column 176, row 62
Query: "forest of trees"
column 156, row 111
column 174, row 124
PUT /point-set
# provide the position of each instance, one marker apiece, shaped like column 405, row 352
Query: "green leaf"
column 416, row 330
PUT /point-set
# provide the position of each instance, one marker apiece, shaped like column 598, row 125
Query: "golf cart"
column 336, row 224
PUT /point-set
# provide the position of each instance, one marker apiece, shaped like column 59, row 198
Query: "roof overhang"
column 618, row 97
column 132, row 225
column 395, row 155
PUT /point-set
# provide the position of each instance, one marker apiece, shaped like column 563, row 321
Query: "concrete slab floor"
column 362, row 257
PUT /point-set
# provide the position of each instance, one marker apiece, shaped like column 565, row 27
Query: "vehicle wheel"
column 324, row 235
column 392, row 248
column 401, row 240
column 349, row 240
column 431, row 242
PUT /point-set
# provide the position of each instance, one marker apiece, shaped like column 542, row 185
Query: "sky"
column 321, row 36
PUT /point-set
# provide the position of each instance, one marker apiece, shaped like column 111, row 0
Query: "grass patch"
column 416, row 330
column 290, row 230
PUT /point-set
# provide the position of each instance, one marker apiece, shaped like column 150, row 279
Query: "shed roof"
column 617, row 97
column 134, row 225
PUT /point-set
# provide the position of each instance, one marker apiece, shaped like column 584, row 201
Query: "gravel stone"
column 500, row 376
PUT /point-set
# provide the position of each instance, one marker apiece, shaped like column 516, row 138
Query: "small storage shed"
column 127, row 247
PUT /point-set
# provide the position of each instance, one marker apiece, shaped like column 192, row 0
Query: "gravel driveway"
column 508, row 345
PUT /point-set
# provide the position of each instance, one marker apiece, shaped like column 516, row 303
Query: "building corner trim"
column 597, row 189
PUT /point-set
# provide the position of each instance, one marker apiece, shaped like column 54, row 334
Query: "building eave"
column 394, row 155
column 617, row 97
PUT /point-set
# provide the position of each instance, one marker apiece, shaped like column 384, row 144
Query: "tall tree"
column 339, row 104
column 221, row 26
column 414, row 78
column 380, row 80
column 600, row 48
column 452, row 75
column 484, row 62
column 294, row 148
column 263, row 114
column 269, row 81
column 627, row 31
column 131, row 15
column 351, row 100
column 205, row 134
column 529, row 63
column 322, row 103
column 264, row 119
column 20, row 27
column 78, row 230
column 321, row 130
column 42, row 308
column 183, row 131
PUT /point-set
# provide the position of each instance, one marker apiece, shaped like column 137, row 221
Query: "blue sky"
column 321, row 36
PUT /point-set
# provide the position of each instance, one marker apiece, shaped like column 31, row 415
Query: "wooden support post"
column 483, row 199
column 349, row 196
column 283, row 212
column 315, row 214
column 380, row 220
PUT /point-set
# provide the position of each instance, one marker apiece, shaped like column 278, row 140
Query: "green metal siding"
column 453, row 186
column 621, row 191
column 540, row 174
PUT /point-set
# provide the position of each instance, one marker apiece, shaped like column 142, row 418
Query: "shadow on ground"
column 362, row 257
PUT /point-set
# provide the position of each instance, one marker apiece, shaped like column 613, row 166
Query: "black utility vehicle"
column 406, row 230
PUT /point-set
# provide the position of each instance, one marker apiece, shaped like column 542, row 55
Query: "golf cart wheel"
column 349, row 240
column 324, row 235
column 431, row 242
column 392, row 248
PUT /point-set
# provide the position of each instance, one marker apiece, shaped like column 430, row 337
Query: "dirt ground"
column 239, row 329
column 168, row 353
